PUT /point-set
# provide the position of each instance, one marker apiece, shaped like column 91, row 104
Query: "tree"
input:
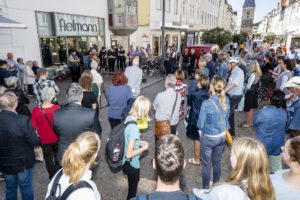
column 217, row 36
column 270, row 37
column 240, row 38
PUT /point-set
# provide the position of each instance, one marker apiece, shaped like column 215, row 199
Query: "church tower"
column 248, row 16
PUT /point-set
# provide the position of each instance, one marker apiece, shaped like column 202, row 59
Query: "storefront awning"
column 8, row 23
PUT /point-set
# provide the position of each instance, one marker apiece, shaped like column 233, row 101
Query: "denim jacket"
column 223, row 70
column 270, row 123
column 294, row 115
column 209, row 121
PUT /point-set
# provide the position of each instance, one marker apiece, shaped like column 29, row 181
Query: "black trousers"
column 75, row 73
column 133, row 177
column 234, row 101
column 118, row 63
column 49, row 152
column 30, row 89
column 111, row 65
column 114, row 122
column 123, row 63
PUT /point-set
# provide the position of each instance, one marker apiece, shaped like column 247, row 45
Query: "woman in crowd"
column 89, row 100
column 97, row 80
column 77, row 161
column 213, row 122
column 202, row 67
column 270, row 123
column 42, row 121
column 251, row 96
column 249, row 178
column 195, row 100
column 285, row 76
column 134, row 147
column 23, row 101
column 287, row 182
column 223, row 66
column 181, row 89
column 29, row 77
column 119, row 95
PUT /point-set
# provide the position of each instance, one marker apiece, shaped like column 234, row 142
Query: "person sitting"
column 169, row 163
column 42, row 121
column 42, row 83
column 77, row 161
column 286, row 182
column 73, row 119
column 23, row 101
column 249, row 178
column 18, row 139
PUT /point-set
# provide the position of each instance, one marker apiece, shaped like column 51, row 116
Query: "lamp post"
column 163, row 33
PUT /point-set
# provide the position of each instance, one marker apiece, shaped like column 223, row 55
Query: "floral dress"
column 181, row 88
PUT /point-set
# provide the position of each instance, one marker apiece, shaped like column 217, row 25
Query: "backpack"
column 72, row 188
column 115, row 147
column 146, row 197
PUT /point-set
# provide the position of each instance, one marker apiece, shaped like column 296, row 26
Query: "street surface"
column 114, row 186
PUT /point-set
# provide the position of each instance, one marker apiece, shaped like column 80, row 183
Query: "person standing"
column 212, row 123
column 223, row 67
column 118, row 58
column 293, row 54
column 3, row 72
column 97, row 81
column 210, row 65
column 122, row 55
column 103, row 60
column 285, row 76
column 185, row 65
column 234, row 89
column 173, row 60
column 42, row 83
column 42, row 121
column 134, row 75
column 18, row 139
column 134, row 146
column 35, row 67
column 260, row 56
column 74, row 66
column 111, row 59
column 21, row 68
column 29, row 77
column 195, row 100
column 73, row 119
column 193, row 62
column 11, row 65
column 235, row 46
column 167, row 104
column 181, row 89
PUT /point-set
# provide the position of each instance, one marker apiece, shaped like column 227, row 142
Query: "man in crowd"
column 11, row 64
column 210, row 65
column 234, row 89
column 42, row 83
column 293, row 54
column 21, row 67
column 173, row 59
column 17, row 141
column 134, row 75
column 3, row 72
column 169, row 166
column 74, row 66
column 73, row 119
column 260, row 56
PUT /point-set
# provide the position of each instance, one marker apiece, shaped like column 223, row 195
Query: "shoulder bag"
column 48, row 120
column 228, row 136
column 164, row 127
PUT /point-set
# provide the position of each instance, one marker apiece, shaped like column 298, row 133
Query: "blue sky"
column 262, row 8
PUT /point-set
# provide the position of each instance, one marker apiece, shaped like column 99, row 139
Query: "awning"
column 8, row 23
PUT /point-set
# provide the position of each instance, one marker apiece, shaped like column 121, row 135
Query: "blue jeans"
column 24, row 180
column 211, row 154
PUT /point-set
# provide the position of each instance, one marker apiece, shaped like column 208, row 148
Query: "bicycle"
column 152, row 68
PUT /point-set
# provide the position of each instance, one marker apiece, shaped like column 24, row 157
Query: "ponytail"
column 222, row 99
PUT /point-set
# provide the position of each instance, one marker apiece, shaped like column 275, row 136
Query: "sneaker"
column 197, row 192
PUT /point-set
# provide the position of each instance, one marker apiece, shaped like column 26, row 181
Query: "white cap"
column 293, row 82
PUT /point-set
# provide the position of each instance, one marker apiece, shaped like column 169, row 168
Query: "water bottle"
column 116, row 153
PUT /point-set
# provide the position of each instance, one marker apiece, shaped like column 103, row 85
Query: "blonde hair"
column 201, row 63
column 252, row 165
column 140, row 108
column 86, row 80
column 255, row 68
column 80, row 153
column 218, row 84
column 179, row 74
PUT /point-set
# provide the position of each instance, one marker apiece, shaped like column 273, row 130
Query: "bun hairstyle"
column 218, row 84
column 79, row 154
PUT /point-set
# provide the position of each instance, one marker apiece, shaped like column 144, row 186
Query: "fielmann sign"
column 76, row 25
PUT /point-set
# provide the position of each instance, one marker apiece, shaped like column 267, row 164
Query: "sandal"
column 192, row 161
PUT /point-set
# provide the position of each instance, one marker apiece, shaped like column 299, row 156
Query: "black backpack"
column 115, row 147
column 72, row 188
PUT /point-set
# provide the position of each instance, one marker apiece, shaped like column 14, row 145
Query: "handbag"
column 227, row 133
column 164, row 127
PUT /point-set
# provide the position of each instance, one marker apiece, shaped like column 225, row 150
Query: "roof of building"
column 249, row 4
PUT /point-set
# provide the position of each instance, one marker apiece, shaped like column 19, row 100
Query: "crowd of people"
column 69, row 135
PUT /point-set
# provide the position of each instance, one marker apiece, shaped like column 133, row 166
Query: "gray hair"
column 28, row 62
column 35, row 63
column 74, row 93
column 208, row 55
column 11, row 82
column 8, row 100
column 170, row 81
column 48, row 94
column 2, row 89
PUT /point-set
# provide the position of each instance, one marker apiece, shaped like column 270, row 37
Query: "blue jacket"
column 294, row 116
column 270, row 123
column 209, row 120
column 223, row 70
column 195, row 100
column 212, row 68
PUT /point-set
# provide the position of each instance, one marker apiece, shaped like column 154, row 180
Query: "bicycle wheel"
column 146, row 70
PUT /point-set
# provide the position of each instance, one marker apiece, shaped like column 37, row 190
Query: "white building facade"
column 53, row 28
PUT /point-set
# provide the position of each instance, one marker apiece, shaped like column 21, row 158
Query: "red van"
column 202, row 48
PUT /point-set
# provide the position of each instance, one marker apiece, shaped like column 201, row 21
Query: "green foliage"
column 217, row 36
column 270, row 37
column 240, row 38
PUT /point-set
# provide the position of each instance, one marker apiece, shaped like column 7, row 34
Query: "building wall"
column 144, row 15
column 24, row 42
column 247, row 20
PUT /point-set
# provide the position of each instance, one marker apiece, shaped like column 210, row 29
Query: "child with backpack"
column 134, row 147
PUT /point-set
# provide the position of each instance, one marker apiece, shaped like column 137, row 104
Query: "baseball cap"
column 293, row 82
column 41, row 71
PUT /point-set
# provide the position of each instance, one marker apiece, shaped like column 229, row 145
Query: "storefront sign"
column 74, row 25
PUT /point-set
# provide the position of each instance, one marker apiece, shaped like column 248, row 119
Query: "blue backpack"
column 146, row 197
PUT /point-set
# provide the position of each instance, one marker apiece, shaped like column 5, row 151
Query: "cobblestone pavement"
column 114, row 186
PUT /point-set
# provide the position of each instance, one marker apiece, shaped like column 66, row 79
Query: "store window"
column 44, row 23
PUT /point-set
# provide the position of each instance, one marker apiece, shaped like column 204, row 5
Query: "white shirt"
column 235, row 45
column 83, row 193
column 97, row 78
column 134, row 75
column 28, row 72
